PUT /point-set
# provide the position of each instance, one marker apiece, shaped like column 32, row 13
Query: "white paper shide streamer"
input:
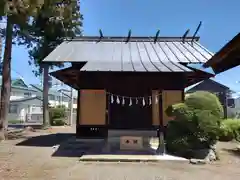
column 149, row 100
column 156, row 99
column 112, row 100
column 118, row 100
column 130, row 102
column 123, row 101
column 143, row 102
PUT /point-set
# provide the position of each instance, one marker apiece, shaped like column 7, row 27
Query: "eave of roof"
column 215, row 82
column 227, row 57
column 26, row 88
column 40, row 89
column 25, row 99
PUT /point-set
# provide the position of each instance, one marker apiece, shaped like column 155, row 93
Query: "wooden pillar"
column 78, row 113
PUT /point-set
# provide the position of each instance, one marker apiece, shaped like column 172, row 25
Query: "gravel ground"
column 35, row 162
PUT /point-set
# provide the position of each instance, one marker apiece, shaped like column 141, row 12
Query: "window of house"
column 74, row 110
column 27, row 94
column 14, row 93
column 65, row 99
column 75, row 100
column 51, row 97
column 13, row 108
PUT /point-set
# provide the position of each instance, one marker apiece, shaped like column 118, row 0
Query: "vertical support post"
column 61, row 98
column 71, row 107
column 161, row 146
column 183, row 95
column 78, row 112
column 225, row 105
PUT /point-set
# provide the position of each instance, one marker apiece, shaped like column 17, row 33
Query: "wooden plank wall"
column 170, row 97
column 93, row 107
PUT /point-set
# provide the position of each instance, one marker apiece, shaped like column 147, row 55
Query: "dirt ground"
column 35, row 161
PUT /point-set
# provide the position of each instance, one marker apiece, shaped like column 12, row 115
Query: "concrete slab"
column 131, row 158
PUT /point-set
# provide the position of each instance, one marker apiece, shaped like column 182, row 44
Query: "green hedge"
column 58, row 122
column 57, row 116
column 15, row 121
column 230, row 130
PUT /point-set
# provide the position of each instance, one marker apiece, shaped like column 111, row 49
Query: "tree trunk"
column 6, row 81
column 45, row 95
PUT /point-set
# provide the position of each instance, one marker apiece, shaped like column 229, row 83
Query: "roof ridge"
column 134, row 38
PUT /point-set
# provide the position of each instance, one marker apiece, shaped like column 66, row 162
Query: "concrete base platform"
column 110, row 150
column 131, row 158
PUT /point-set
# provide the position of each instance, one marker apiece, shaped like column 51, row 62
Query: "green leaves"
column 230, row 129
column 53, row 22
column 203, row 100
column 197, row 123
column 41, row 25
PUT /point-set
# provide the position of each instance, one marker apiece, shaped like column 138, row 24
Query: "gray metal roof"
column 139, row 54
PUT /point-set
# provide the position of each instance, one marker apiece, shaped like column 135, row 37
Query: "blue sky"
column 115, row 17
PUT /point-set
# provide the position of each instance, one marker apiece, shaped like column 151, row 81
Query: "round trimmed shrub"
column 203, row 100
column 196, row 123
column 57, row 116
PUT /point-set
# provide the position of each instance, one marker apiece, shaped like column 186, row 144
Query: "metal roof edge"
column 25, row 99
column 133, row 38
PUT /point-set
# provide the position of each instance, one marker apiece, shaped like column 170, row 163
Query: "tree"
column 54, row 22
column 17, row 14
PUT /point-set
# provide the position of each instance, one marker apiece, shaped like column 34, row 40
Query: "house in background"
column 223, row 92
column 234, row 109
column 27, row 109
column 19, row 89
column 56, row 97
column 67, row 93
column 26, row 101
column 24, row 105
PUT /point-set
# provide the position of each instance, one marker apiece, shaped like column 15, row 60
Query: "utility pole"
column 71, row 107
column 1, row 45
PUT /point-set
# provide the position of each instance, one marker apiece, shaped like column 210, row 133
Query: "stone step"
column 139, row 133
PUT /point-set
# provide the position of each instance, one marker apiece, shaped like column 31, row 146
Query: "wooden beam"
column 223, row 53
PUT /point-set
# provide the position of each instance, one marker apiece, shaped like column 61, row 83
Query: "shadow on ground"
column 66, row 145
column 235, row 152
column 96, row 147
column 48, row 140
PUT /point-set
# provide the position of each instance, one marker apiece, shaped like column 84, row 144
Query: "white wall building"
column 234, row 111
column 56, row 97
column 26, row 101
